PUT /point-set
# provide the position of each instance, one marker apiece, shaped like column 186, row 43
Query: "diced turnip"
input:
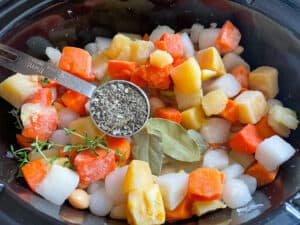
column 102, row 43
column 273, row 152
column 95, row 186
column 231, row 60
column 249, row 181
column 155, row 103
column 232, row 171
column 272, row 102
column 60, row 137
column 58, row 184
column 216, row 130
column 99, row 65
column 53, row 54
column 207, row 37
column 173, row 187
column 227, row 83
column 66, row 116
column 100, row 203
column 236, row 194
column 244, row 159
column 114, row 183
column 195, row 31
column 159, row 30
column 188, row 46
column 91, row 48
column 119, row 212
column 216, row 158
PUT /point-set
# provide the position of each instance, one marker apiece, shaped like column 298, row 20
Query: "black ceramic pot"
column 271, row 32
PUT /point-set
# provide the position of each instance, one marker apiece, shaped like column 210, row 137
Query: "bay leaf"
column 147, row 147
column 174, row 166
column 175, row 141
column 202, row 144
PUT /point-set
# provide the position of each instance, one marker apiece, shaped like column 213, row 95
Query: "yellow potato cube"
column 187, row 76
column 265, row 79
column 145, row 206
column 214, row 102
column 208, row 74
column 185, row 101
column 160, row 58
column 83, row 126
column 140, row 51
column 199, row 208
column 138, row 176
column 99, row 65
column 17, row 88
column 210, row 59
column 120, row 43
column 193, row 118
column 252, row 106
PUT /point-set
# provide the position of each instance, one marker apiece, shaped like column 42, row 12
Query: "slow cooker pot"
column 271, row 36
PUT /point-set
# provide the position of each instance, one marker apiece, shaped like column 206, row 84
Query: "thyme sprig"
column 16, row 113
column 44, row 81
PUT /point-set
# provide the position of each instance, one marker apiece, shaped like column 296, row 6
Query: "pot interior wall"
column 79, row 22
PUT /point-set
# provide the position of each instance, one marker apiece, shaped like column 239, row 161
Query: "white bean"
column 79, row 199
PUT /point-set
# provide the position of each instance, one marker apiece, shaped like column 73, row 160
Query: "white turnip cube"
column 273, row 152
column 236, row 194
column 173, row 187
column 249, row 181
column 217, row 158
column 58, row 184
column 231, row 60
column 232, row 171
column 227, row 83
column 97, row 185
column 100, row 203
column 216, row 130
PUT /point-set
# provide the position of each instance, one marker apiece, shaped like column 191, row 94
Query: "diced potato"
column 210, row 59
column 48, row 153
column 208, row 74
column 119, row 212
column 185, row 101
column 216, row 130
column 133, row 36
column 265, row 79
column 140, row 51
column 160, row 58
column 244, row 159
column 17, row 88
column 252, row 106
column 27, row 110
column 145, row 206
column 281, row 119
column 120, row 43
column 155, row 103
column 138, row 176
column 83, row 126
column 214, row 102
column 199, row 208
column 99, row 65
column 193, row 118
column 187, row 76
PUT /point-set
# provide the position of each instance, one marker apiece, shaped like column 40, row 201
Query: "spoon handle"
column 18, row 61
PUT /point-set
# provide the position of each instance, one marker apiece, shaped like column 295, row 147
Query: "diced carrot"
column 75, row 101
column 91, row 167
column 168, row 113
column 231, row 112
column 34, row 172
column 262, row 176
column 158, row 77
column 122, row 148
column 43, row 96
column 162, row 45
column 146, row 37
column 179, row 61
column 174, row 44
column 23, row 141
column 48, row 84
column 120, row 70
column 264, row 129
column 41, row 124
column 205, row 184
column 246, row 140
column 137, row 76
column 228, row 38
column 241, row 74
column 182, row 211
column 78, row 62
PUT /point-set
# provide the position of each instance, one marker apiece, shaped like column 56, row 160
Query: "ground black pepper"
column 119, row 108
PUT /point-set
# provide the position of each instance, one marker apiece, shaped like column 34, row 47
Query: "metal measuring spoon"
column 118, row 108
